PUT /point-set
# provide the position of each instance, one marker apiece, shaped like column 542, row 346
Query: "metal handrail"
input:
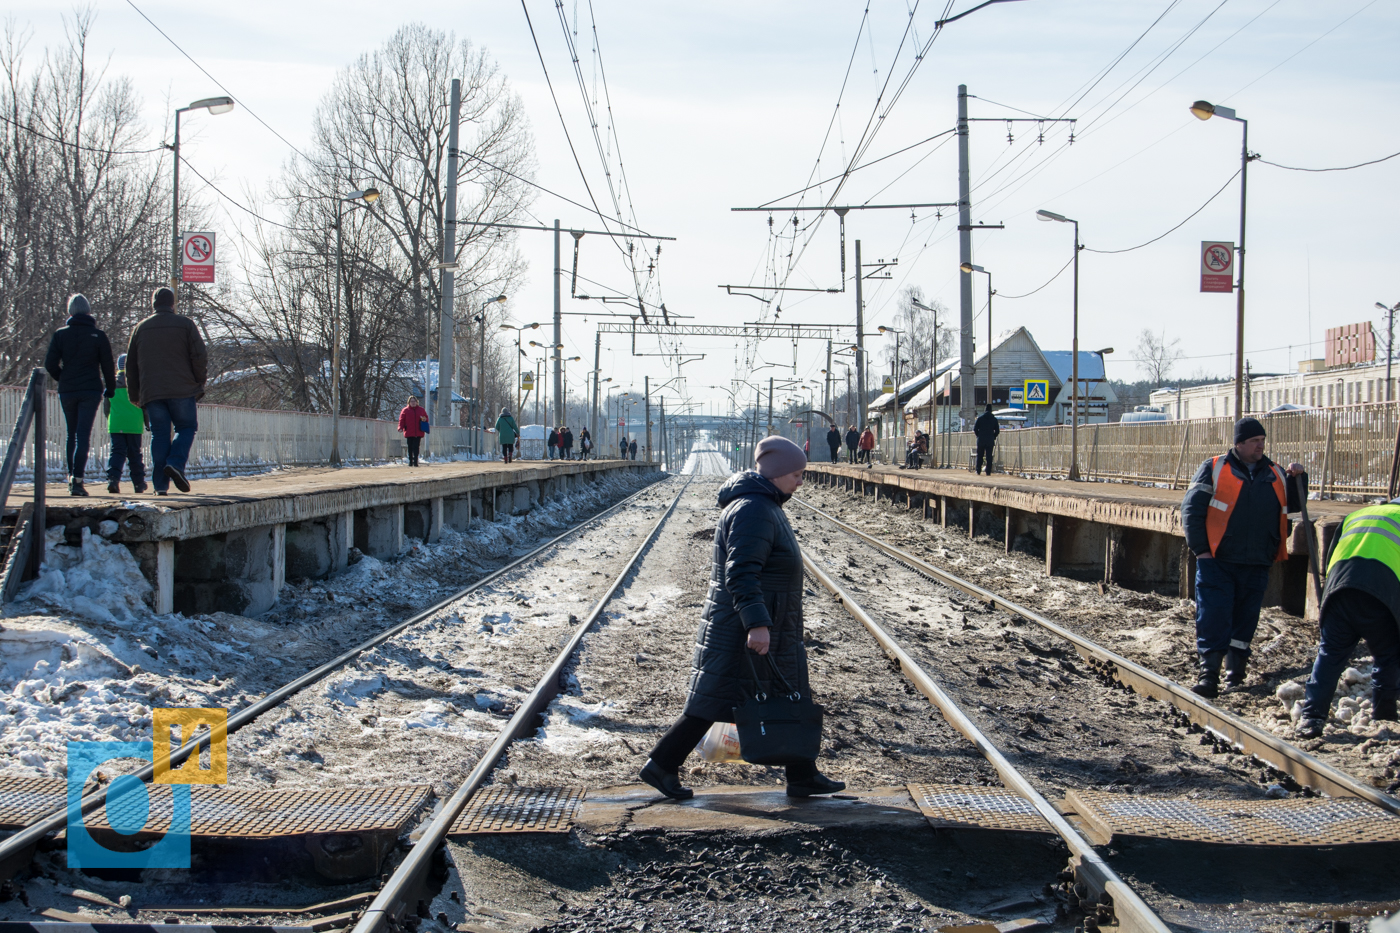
column 31, row 411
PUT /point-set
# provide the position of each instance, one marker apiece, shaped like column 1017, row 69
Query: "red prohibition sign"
column 198, row 249
column 1218, row 258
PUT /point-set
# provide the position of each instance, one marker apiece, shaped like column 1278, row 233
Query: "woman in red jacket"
column 411, row 421
column 867, row 444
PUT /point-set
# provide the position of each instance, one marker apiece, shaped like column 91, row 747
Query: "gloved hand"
column 110, row 393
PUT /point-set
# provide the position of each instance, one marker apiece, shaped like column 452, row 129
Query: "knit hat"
column 778, row 456
column 1246, row 428
column 163, row 298
column 77, row 304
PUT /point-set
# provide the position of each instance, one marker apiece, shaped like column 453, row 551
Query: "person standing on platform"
column 852, row 444
column 833, row 440
column 126, row 424
column 553, row 442
column 867, row 444
column 632, row 448
column 412, row 418
column 1236, row 518
column 622, row 447
column 80, row 361
column 585, row 444
column 566, row 442
column 507, row 432
column 1360, row 602
column 986, row 428
column 166, row 368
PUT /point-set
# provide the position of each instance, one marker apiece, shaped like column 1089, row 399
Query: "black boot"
column 1383, row 705
column 75, row 487
column 1208, row 683
column 816, row 784
column 667, row 782
column 1235, row 663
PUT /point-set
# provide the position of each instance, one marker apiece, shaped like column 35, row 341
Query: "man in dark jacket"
column 552, row 442
column 986, row 428
column 754, row 604
column 632, row 448
column 1360, row 603
column 1236, row 522
column 852, row 444
column 80, row 361
column 566, row 443
column 166, row 368
column 833, row 440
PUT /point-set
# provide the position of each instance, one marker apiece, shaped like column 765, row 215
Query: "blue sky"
column 723, row 104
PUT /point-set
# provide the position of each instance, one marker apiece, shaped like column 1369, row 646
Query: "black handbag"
column 777, row 730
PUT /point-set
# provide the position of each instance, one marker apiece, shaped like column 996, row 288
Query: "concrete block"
column 1074, row 546
column 239, row 572
column 436, row 509
column 319, row 547
column 518, row 500
column 457, row 512
column 379, row 530
column 165, row 577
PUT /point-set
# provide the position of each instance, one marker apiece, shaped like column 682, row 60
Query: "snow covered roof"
column 1062, row 362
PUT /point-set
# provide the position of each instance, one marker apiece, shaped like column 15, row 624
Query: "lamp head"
column 1203, row 110
column 215, row 105
column 1382, row 307
column 499, row 298
column 969, row 268
column 369, row 196
column 506, row 327
column 1104, row 351
column 1051, row 215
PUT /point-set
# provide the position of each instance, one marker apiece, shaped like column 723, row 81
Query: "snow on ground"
column 83, row 657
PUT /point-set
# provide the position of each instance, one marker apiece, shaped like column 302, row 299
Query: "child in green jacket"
column 126, row 423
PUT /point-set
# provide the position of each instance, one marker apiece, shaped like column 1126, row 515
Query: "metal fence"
column 1347, row 450
column 233, row 441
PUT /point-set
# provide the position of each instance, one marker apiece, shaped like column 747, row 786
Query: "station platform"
column 1126, row 534
column 229, row 544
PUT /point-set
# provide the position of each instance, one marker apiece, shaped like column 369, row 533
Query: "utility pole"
column 593, row 411
column 826, row 384
column 965, row 378
column 646, row 411
column 558, row 333
column 447, row 345
column 770, row 407
column 860, row 336
column 665, row 453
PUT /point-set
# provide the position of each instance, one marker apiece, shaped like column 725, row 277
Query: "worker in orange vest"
column 1236, row 520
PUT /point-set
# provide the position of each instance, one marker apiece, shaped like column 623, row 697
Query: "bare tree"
column 82, row 208
column 916, row 342
column 1156, row 355
column 385, row 124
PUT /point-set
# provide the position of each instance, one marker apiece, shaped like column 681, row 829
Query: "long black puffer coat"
column 756, row 582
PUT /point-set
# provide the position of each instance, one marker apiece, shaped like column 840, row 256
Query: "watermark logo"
column 131, row 808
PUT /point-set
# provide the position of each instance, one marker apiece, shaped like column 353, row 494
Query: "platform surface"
column 1152, row 507
column 218, row 505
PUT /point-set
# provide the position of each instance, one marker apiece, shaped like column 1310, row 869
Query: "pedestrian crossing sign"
column 1037, row 392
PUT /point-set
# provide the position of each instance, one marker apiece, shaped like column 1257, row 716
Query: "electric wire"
column 77, row 146
column 1178, row 226
column 1339, row 168
column 1047, row 282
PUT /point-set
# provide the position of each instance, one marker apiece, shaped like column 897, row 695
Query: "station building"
column 1015, row 358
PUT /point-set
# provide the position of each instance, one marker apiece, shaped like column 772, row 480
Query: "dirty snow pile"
column 98, row 580
column 1351, row 705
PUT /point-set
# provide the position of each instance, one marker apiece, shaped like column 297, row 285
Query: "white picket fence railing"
column 236, row 441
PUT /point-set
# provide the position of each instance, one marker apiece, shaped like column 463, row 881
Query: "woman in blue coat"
column 754, row 604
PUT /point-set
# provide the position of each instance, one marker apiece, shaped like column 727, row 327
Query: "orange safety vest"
column 1225, row 492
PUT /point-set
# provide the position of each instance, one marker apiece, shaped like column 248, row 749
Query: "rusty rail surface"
column 1288, row 758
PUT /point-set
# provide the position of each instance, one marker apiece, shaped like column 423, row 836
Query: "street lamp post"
column 551, row 347
column 1074, row 346
column 1389, row 341
column 216, row 106
column 369, row 196
column 932, row 380
column 1204, row 110
column 968, row 268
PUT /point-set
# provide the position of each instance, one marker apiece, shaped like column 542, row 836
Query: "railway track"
column 18, row 847
column 1248, row 738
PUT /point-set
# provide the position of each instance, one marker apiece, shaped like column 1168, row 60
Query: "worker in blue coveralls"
column 1236, row 520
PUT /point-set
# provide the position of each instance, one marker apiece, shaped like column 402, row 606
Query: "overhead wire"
column 1339, row 168
column 1178, row 226
column 77, row 146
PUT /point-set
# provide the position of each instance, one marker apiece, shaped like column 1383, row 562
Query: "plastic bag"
column 720, row 744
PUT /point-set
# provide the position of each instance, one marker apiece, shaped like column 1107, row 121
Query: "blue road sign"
column 1037, row 391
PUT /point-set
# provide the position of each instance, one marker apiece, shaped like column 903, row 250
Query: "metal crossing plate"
column 502, row 808
column 226, row 812
column 970, row 806
column 24, row 799
column 1315, row 821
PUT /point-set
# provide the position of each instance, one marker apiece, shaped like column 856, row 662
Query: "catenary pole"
column 1239, row 292
column 558, row 333
column 860, row 340
column 966, row 409
column 447, row 338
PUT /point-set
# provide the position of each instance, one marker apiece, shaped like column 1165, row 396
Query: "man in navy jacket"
column 80, row 361
column 1236, row 519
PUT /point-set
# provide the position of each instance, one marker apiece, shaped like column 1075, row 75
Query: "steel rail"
column 1132, row 913
column 392, row 899
column 1298, row 764
column 57, row 819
